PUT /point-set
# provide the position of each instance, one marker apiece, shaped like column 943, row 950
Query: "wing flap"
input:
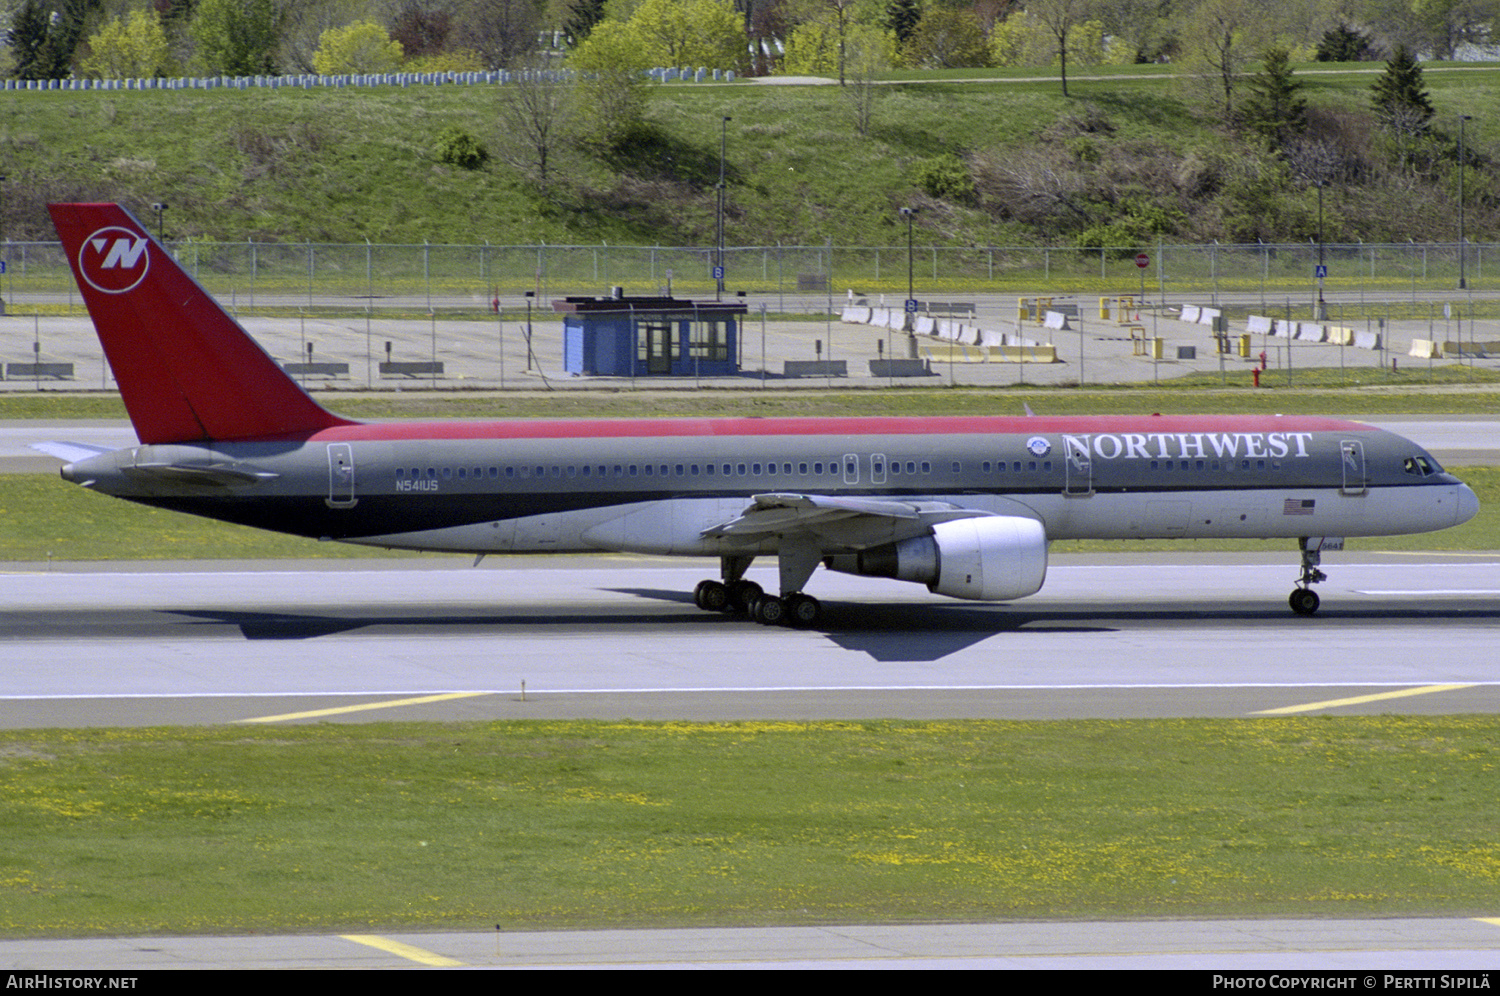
column 844, row 520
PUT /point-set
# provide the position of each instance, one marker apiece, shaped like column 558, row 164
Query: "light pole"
column 719, row 268
column 1322, row 269
column 160, row 208
column 1462, row 281
column 910, row 307
column 909, row 214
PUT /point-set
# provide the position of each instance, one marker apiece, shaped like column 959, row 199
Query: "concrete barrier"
column 1190, row 313
column 1340, row 336
column 1056, row 320
column 856, row 315
column 815, row 368
column 317, row 368
column 1310, row 332
column 1367, row 340
column 1208, row 316
column 1470, row 348
column 900, row 368
column 416, row 369
column 36, row 371
column 1258, row 325
column 1284, row 328
column 1425, row 349
column 925, row 325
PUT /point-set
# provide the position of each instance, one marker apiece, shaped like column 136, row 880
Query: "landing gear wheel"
column 1304, row 601
column 711, row 596
column 803, row 610
column 768, row 610
column 742, row 596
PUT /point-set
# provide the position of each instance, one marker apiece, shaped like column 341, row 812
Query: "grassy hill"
column 345, row 165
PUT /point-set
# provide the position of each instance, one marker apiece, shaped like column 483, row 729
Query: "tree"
column 1447, row 24
column 43, row 37
column 361, row 47
column 503, row 32
column 1343, row 44
column 1275, row 109
column 901, row 17
column 534, row 112
column 1219, row 41
column 612, row 83
column 1059, row 17
column 235, row 37
column 1019, row 41
column 870, row 51
column 1399, row 96
column 946, row 39
column 691, row 33
column 129, row 48
column 581, row 17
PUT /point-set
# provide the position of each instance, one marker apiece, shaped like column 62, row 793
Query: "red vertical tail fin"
column 186, row 369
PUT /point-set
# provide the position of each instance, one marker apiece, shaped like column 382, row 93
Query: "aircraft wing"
column 844, row 521
column 69, row 452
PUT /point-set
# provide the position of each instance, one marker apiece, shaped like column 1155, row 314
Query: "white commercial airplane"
column 965, row 506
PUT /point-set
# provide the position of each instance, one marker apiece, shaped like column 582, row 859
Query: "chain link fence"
column 255, row 275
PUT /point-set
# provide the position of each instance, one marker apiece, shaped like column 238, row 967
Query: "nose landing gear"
column 1303, row 600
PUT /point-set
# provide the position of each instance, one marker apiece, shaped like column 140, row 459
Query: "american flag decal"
column 1298, row 506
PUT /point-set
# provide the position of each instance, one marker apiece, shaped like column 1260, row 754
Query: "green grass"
column 344, row 166
column 593, row 824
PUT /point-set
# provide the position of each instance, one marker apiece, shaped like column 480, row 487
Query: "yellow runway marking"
column 338, row 710
column 389, row 946
column 1359, row 699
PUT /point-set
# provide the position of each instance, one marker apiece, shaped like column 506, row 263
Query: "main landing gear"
column 1303, row 600
column 737, row 596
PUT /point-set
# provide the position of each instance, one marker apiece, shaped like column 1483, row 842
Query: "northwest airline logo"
column 114, row 260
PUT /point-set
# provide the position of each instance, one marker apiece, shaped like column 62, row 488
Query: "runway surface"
column 1455, row 948
column 611, row 637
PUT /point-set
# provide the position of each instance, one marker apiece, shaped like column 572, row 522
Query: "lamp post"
column 1322, row 269
column 910, row 307
column 719, row 267
column 160, row 208
column 909, row 214
column 1462, row 277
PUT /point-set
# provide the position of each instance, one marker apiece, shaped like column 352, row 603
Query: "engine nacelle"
column 987, row 558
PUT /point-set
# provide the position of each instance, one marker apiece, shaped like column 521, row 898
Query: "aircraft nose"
column 1468, row 505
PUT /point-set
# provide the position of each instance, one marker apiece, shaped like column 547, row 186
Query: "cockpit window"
column 1421, row 466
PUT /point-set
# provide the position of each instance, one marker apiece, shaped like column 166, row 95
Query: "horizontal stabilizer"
column 69, row 452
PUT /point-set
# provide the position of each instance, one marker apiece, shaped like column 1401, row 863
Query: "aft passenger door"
column 341, row 476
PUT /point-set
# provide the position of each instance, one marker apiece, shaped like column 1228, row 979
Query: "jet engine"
column 987, row 558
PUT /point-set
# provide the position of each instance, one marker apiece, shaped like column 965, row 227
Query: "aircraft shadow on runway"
column 886, row 631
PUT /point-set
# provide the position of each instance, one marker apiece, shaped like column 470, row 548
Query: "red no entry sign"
column 1142, row 260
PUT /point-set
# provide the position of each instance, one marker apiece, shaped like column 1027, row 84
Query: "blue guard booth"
column 623, row 336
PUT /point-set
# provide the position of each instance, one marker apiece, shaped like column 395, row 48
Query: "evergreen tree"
column 1399, row 96
column 901, row 16
column 43, row 36
column 1275, row 109
column 1343, row 44
column 581, row 18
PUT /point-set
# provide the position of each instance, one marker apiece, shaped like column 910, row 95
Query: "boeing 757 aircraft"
column 965, row 506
